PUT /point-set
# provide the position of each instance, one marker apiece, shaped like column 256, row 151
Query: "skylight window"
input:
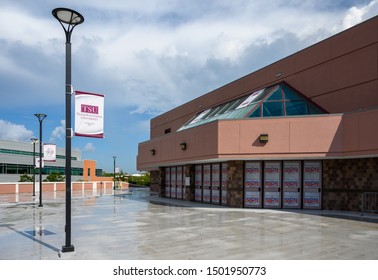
column 274, row 101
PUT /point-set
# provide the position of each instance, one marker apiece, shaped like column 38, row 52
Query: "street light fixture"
column 68, row 19
column 40, row 117
column 34, row 141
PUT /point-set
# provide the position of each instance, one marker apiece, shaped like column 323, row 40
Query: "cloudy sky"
column 146, row 57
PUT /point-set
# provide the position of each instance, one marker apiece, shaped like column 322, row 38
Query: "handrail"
column 369, row 202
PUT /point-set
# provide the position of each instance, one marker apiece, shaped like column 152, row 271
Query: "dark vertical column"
column 189, row 172
column 235, row 184
column 68, row 247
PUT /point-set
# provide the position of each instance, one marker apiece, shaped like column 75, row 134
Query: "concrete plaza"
column 138, row 226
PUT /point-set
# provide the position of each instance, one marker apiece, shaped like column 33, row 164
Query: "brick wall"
column 344, row 180
column 235, row 184
column 156, row 181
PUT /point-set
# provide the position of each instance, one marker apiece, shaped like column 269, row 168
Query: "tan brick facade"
column 344, row 180
column 235, row 184
column 156, row 180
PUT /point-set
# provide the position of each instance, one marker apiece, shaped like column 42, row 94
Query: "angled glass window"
column 275, row 94
column 291, row 94
column 314, row 109
column 274, row 101
column 273, row 109
column 256, row 113
column 296, row 108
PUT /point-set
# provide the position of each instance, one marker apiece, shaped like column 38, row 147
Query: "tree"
column 26, row 178
column 143, row 180
column 55, row 177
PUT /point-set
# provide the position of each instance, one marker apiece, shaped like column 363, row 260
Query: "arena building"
column 299, row 133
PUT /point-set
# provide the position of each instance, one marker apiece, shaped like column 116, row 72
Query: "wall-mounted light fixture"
column 279, row 74
column 153, row 152
column 264, row 138
column 183, row 146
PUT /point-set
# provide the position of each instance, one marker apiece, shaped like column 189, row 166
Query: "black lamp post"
column 114, row 169
column 40, row 117
column 68, row 19
column 34, row 141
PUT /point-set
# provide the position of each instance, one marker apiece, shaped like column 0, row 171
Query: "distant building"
column 299, row 133
column 16, row 159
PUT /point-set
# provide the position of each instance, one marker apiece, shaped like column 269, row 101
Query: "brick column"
column 235, row 184
column 155, row 181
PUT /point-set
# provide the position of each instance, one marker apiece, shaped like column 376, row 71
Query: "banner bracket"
column 69, row 133
column 69, row 89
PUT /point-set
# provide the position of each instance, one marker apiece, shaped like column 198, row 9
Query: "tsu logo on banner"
column 89, row 114
column 49, row 152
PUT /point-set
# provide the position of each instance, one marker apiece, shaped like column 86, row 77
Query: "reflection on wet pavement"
column 135, row 225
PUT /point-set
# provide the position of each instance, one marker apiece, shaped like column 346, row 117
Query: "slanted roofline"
column 339, row 73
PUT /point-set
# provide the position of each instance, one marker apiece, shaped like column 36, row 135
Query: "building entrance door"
column 292, row 184
column 167, row 182
column 312, row 185
column 252, row 184
column 272, row 184
column 224, row 179
column 215, row 183
column 207, row 183
column 173, row 182
column 179, row 182
column 198, row 183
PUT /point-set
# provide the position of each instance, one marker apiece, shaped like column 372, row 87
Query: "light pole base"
column 40, row 205
column 69, row 248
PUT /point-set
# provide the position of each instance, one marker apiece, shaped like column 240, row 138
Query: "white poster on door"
column 252, row 184
column 272, row 199
column 311, row 199
column 291, row 174
column 224, row 183
column 312, row 184
column 291, row 199
column 272, row 175
column 292, row 184
column 272, row 184
column 252, row 199
column 198, row 183
column 312, row 175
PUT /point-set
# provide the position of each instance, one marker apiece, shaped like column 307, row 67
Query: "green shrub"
column 143, row 180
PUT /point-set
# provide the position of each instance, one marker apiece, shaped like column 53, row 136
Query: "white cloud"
column 356, row 14
column 89, row 147
column 150, row 56
column 27, row 28
column 15, row 132
column 155, row 55
column 59, row 132
column 155, row 65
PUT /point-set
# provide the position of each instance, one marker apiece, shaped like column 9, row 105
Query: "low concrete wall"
column 27, row 187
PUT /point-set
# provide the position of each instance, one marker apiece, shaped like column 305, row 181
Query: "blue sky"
column 146, row 57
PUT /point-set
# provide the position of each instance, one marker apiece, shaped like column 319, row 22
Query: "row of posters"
column 174, row 182
column 270, row 184
column 282, row 184
column 211, row 183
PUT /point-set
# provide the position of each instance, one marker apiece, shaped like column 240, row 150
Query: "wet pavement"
column 137, row 226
